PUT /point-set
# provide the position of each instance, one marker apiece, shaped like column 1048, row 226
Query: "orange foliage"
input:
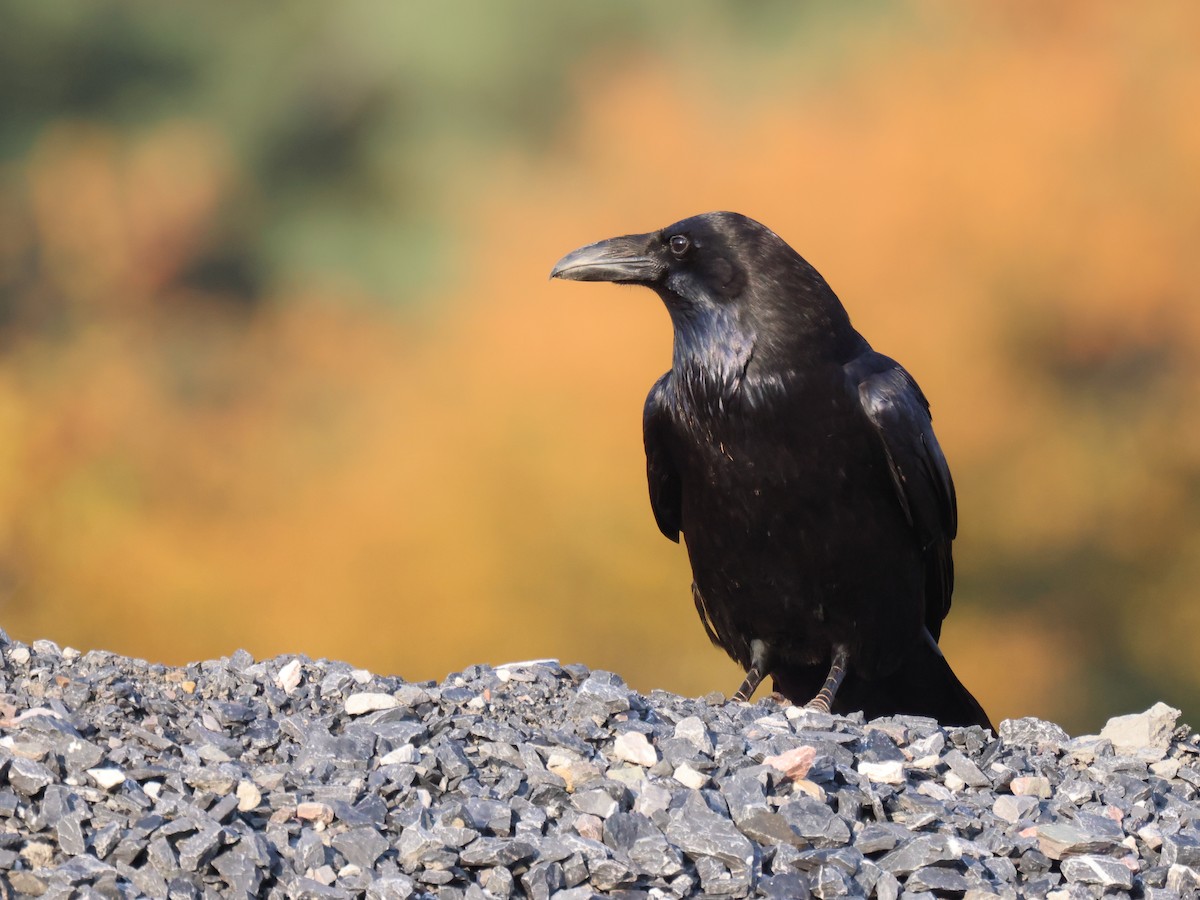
column 418, row 493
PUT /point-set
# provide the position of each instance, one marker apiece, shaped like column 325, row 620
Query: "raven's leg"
column 837, row 671
column 755, row 674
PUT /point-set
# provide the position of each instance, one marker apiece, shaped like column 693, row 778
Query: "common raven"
column 802, row 469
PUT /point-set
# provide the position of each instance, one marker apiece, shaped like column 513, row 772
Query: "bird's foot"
column 823, row 702
column 755, row 674
column 818, row 703
column 743, row 694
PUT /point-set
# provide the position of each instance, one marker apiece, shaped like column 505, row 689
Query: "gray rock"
column 609, row 874
column 887, row 887
column 830, row 881
column 815, row 822
column 918, row 852
column 81, row 755
column 638, row 840
column 495, row 784
column 28, row 776
column 241, row 873
column 1182, row 849
column 497, row 852
column 698, row 831
column 1033, row 733
column 492, row 816
column 418, row 846
column 1059, row 839
column 576, row 893
column 875, row 839
column 965, row 769
column 601, row 698
column 497, row 881
column 70, row 835
column 792, row 886
column 1102, row 870
column 1182, row 879
column 542, row 880
column 717, row 880
column 596, row 802
column 693, row 730
column 938, row 880
column 770, row 828
column 162, row 857
column 1014, row 809
column 361, row 846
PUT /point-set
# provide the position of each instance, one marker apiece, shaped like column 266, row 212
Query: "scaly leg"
column 755, row 674
column 837, row 671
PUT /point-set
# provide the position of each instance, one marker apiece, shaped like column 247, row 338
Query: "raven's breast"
column 794, row 530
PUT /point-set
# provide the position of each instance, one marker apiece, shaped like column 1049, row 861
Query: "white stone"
column 891, row 772
column 944, row 792
column 521, row 671
column 1031, row 786
column 692, row 730
column 1150, row 730
column 528, row 663
column 368, row 701
column 633, row 747
column 249, row 796
column 107, row 778
column 314, row 812
column 1165, row 768
column 804, row 786
column 773, row 725
column 573, row 769
column 288, row 678
column 361, row 676
column 410, row 695
column 1151, row 835
column 689, row 777
column 402, row 755
column 630, row 775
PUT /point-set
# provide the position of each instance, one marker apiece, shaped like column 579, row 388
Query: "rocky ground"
column 298, row 778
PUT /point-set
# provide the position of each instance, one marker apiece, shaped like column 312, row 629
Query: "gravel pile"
column 298, row 778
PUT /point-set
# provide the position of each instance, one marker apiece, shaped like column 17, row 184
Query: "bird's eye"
column 680, row 244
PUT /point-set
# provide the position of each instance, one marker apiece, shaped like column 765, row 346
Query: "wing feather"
column 666, row 489
column 899, row 412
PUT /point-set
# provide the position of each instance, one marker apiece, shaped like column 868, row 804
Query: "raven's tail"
column 923, row 685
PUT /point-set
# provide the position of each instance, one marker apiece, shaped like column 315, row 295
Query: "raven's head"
column 706, row 258
column 732, row 286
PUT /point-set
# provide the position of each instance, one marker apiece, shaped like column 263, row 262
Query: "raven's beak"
column 621, row 259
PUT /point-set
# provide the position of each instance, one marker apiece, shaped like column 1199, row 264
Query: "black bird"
column 802, row 469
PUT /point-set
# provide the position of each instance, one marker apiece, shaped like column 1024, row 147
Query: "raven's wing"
column 900, row 413
column 666, row 492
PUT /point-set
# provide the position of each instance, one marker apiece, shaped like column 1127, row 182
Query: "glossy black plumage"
column 800, row 467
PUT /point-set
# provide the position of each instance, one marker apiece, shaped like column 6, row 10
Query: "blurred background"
column 280, row 366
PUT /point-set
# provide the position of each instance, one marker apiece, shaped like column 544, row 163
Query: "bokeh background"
column 280, row 366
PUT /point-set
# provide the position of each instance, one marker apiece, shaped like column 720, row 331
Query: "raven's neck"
column 712, row 350
column 720, row 352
